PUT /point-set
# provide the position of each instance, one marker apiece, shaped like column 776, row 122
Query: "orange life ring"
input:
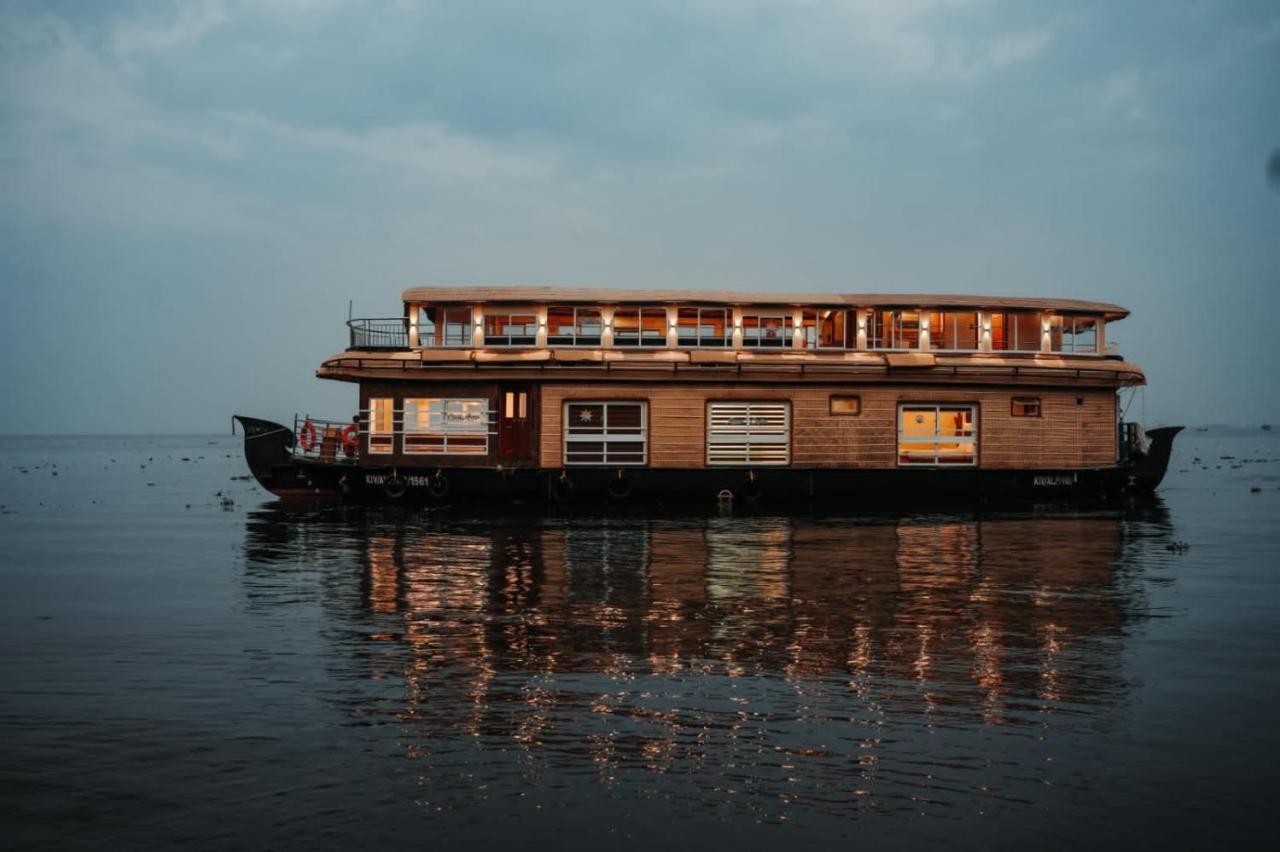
column 349, row 438
column 307, row 436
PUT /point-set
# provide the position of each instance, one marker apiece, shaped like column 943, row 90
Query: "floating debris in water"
column 227, row 504
column 1177, row 547
column 1255, row 489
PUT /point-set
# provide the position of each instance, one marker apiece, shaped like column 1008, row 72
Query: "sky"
column 190, row 193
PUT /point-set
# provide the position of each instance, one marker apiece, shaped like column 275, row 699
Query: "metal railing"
column 379, row 333
column 328, row 441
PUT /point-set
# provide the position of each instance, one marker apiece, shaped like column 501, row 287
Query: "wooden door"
column 515, row 423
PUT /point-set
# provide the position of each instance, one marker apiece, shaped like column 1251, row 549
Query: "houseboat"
column 557, row 394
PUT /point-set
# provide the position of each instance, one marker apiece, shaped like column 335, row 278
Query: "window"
column 833, row 330
column 1025, row 406
column 382, row 425
column 640, row 326
column 894, row 330
column 953, row 330
column 573, row 327
column 809, row 328
column 755, row 433
column 846, row 405
column 703, row 327
column 444, row 326
column 610, row 433
column 446, row 426
column 1078, row 335
column 1018, row 331
column 767, row 329
column 510, row 329
column 937, row 435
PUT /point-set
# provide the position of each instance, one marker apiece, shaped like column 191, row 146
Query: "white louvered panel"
column 748, row 433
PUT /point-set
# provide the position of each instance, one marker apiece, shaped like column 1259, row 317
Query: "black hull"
column 268, row 451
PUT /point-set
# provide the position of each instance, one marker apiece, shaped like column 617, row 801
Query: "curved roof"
column 573, row 295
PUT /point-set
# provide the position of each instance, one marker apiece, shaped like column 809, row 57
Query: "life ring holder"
column 307, row 436
column 620, row 486
column 350, row 439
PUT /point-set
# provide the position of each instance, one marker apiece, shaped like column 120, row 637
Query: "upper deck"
column 700, row 334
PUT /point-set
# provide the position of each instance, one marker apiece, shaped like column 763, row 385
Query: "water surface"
column 185, row 660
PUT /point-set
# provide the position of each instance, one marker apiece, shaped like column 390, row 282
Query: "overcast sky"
column 191, row 192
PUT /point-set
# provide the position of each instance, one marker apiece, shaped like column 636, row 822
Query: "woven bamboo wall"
column 1068, row 434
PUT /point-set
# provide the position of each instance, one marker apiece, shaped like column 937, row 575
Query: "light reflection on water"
column 178, row 671
column 773, row 666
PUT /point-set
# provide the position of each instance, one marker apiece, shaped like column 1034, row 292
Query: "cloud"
column 185, row 24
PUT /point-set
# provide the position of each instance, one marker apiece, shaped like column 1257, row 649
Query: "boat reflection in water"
column 768, row 663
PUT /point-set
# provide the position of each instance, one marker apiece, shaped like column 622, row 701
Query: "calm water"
column 176, row 669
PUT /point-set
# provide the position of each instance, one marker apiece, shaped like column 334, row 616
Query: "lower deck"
column 630, row 425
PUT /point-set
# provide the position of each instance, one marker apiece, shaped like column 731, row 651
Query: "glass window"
column 767, row 329
column 1074, row 334
column 573, row 327
column 1026, row 332
column 955, row 331
column 1025, row 406
column 754, row 433
column 846, row 405
column 454, row 326
column 937, row 435
column 611, row 433
column 809, row 328
column 510, row 329
column 435, row 426
column 833, row 330
column 703, row 327
column 382, row 426
column 894, row 330
column 999, row 332
column 639, row 326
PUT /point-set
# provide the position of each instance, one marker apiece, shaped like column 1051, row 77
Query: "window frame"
column 640, row 313
column 765, row 439
column 1026, row 401
column 443, row 432
column 785, row 341
column 567, row 436
column 376, row 433
column 505, row 340
column 937, row 439
column 699, row 340
column 857, row 405
column 576, row 337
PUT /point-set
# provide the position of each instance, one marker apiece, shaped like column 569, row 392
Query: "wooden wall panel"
column 1068, row 434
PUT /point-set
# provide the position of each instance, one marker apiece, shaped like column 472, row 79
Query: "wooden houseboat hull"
column 268, row 451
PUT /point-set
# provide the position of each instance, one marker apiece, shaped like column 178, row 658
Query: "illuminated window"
column 382, row 425
column 1016, row 331
column 937, row 435
column 1026, row 406
column 611, row 433
column 834, row 331
column 754, row 433
column 639, row 326
column 767, row 330
column 846, row 405
column 574, row 327
column 436, row 426
column 510, row 329
column 894, row 330
column 704, row 327
column 955, row 331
